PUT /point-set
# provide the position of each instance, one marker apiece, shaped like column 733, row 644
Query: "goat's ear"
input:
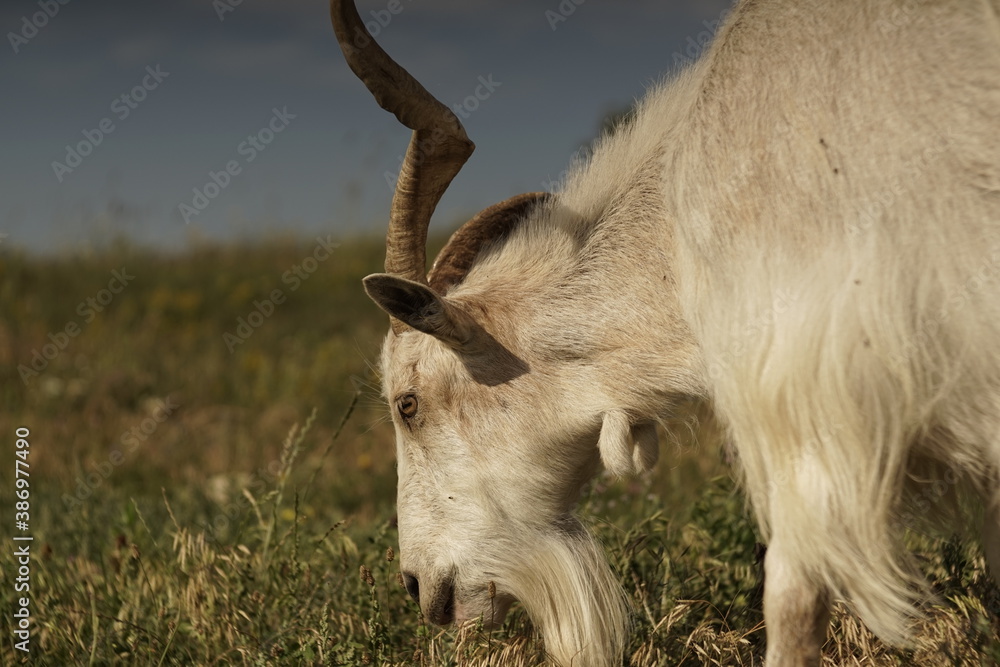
column 420, row 307
column 627, row 449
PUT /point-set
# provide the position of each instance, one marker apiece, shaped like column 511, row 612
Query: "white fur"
column 803, row 229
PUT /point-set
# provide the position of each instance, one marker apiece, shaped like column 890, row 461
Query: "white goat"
column 802, row 229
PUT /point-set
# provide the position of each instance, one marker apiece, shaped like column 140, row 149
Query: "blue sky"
column 161, row 96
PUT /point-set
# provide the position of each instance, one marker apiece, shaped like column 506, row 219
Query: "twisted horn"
column 438, row 148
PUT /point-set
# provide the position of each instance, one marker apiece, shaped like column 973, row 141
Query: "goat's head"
column 493, row 438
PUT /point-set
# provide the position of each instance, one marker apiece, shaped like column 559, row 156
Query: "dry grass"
column 246, row 528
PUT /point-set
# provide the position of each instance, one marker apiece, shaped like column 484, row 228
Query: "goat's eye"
column 407, row 406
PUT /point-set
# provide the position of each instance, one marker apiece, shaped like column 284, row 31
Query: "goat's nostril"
column 412, row 586
column 441, row 606
column 449, row 605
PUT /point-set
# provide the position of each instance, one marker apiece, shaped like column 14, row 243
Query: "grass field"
column 210, row 486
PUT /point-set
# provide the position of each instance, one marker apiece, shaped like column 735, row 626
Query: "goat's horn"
column 438, row 148
column 488, row 226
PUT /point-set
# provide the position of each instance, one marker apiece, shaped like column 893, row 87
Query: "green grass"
column 192, row 505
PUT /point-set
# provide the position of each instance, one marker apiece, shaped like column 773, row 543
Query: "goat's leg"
column 796, row 611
